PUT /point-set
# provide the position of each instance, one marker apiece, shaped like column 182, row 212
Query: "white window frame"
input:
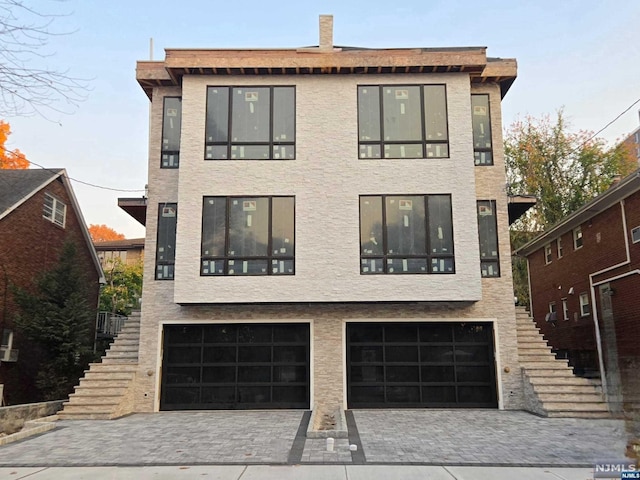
column 57, row 213
column 577, row 237
column 547, row 254
column 7, row 334
column 560, row 249
column 585, row 306
column 565, row 309
column 635, row 234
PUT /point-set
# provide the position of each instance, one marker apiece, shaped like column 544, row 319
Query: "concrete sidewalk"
column 307, row 472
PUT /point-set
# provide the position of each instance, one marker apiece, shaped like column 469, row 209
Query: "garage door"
column 238, row 366
column 420, row 365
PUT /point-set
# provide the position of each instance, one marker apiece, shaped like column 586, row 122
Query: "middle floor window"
column 402, row 121
column 250, row 123
column 406, row 234
column 248, row 236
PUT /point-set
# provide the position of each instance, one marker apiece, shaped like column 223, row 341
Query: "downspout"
column 592, row 288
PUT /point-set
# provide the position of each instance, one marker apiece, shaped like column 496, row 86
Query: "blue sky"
column 581, row 55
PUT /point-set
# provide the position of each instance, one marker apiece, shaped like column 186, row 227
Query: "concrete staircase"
column 105, row 391
column 551, row 388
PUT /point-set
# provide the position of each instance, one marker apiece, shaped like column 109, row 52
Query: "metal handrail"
column 109, row 323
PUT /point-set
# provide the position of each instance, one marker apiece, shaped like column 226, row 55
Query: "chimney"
column 326, row 32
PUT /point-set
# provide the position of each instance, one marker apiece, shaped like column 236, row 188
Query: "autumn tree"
column 10, row 159
column 123, row 288
column 102, row 233
column 563, row 169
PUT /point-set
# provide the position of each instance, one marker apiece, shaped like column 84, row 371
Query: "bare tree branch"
column 28, row 86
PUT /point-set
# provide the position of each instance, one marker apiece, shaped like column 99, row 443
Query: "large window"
column 248, row 236
column 54, row 210
column 171, row 121
column 488, row 237
column 166, row 245
column 481, row 122
column 250, row 123
column 406, row 234
column 402, row 121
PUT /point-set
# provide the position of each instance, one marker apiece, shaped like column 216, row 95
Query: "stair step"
column 104, row 409
column 578, row 414
column 558, row 380
column 579, row 389
column 85, row 401
column 123, row 349
column 526, row 357
column 93, row 383
column 98, row 391
column 106, row 375
column 120, row 361
column 85, row 416
column 577, row 398
column 113, row 367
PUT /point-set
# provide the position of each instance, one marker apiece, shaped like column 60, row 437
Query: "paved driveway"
column 427, row 437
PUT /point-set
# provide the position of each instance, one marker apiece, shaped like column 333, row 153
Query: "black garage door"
column 238, row 366
column 420, row 365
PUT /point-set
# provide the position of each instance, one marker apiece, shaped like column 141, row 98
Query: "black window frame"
column 424, row 142
column 479, row 150
column 170, row 158
column 230, row 144
column 166, row 265
column 487, row 261
column 429, row 256
column 270, row 258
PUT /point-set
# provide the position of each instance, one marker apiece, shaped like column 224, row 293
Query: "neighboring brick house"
column 129, row 250
column 585, row 288
column 632, row 144
column 327, row 228
column 38, row 214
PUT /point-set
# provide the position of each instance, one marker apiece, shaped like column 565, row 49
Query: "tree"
column 123, row 286
column 564, row 170
column 56, row 317
column 102, row 233
column 28, row 85
column 10, row 159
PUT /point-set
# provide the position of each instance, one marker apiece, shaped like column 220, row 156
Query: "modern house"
column 584, row 274
column 38, row 215
column 327, row 228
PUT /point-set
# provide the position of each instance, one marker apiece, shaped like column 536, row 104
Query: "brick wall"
column 29, row 246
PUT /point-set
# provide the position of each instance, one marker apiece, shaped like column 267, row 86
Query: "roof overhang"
column 518, row 205
column 136, row 207
column 604, row 201
column 318, row 61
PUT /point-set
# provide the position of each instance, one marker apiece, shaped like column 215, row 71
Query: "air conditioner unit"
column 8, row 355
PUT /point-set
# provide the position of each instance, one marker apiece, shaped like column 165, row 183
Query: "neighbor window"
column 565, row 309
column 635, row 235
column 54, row 210
column 481, row 122
column 585, row 308
column 577, row 238
column 552, row 316
column 547, row 253
column 402, row 121
column 7, row 339
column 248, row 236
column 250, row 123
column 488, row 236
column 166, row 245
column 560, row 250
column 171, row 120
column 406, row 234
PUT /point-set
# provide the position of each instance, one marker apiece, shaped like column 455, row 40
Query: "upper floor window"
column 54, row 210
column 488, row 237
column 635, row 235
column 577, row 238
column 166, row 244
column 171, row 121
column 560, row 249
column 248, row 236
column 552, row 316
column 402, row 121
column 481, row 123
column 565, row 309
column 585, row 308
column 406, row 234
column 250, row 123
column 547, row 253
